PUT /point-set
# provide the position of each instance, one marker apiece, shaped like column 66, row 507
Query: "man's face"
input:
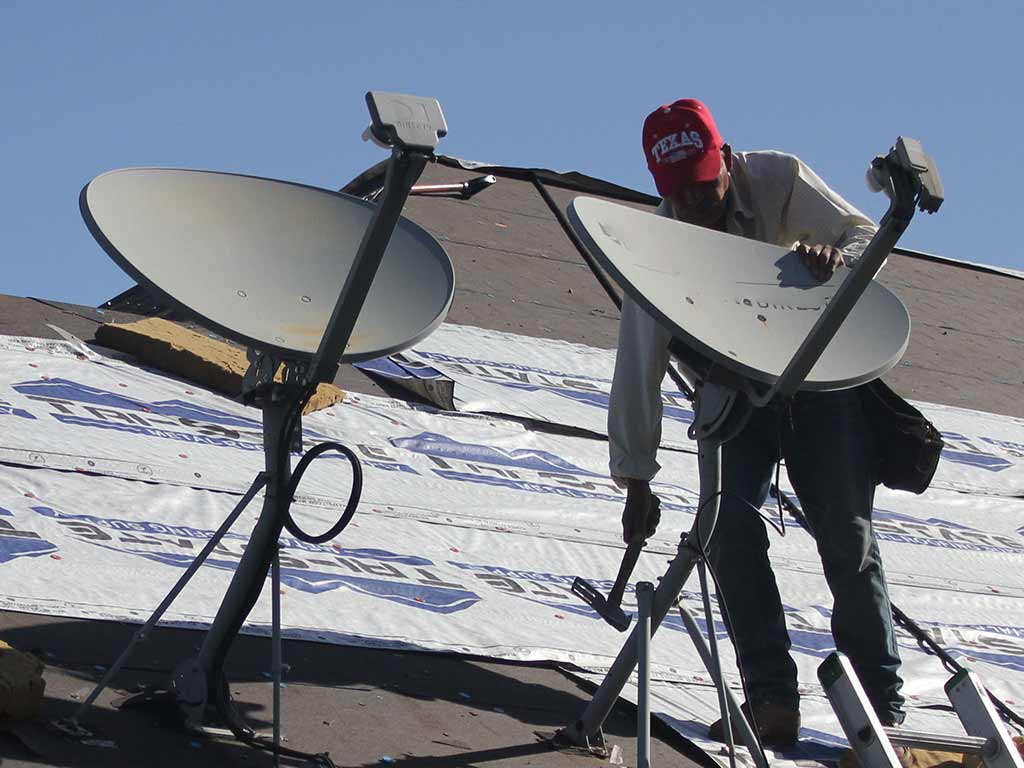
column 703, row 203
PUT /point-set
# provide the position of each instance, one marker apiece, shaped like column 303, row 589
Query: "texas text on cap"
column 682, row 145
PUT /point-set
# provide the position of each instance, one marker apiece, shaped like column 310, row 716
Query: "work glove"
column 642, row 512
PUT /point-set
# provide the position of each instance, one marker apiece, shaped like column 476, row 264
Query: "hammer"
column 649, row 506
column 610, row 608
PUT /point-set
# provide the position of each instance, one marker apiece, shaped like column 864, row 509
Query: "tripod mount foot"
column 199, row 695
column 573, row 738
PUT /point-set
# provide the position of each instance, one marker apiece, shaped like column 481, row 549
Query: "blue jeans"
column 830, row 461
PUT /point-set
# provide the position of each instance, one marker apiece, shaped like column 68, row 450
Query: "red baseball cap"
column 682, row 145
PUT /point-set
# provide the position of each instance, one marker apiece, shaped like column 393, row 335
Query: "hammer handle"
column 625, row 571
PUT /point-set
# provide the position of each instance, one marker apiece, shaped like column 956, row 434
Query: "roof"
column 518, row 269
column 359, row 704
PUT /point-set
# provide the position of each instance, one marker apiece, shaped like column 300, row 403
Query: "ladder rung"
column 969, row 745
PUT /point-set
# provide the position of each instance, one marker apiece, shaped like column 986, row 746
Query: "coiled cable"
column 296, row 478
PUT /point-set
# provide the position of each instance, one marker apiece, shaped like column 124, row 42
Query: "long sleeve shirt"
column 774, row 198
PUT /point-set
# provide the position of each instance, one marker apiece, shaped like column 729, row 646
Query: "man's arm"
column 831, row 232
column 634, row 416
column 634, row 408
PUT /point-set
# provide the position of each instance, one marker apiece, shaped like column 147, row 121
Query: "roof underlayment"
column 474, row 522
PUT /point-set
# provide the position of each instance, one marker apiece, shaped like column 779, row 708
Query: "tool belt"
column 907, row 445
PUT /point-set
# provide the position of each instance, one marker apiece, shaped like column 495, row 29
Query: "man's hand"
column 821, row 260
column 642, row 513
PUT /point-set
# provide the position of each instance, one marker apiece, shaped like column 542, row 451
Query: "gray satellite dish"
column 263, row 261
column 743, row 304
column 305, row 278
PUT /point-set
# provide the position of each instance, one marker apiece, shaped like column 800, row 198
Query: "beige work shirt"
column 774, row 198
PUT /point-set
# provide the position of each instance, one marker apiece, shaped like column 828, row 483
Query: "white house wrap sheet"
column 469, row 534
column 568, row 384
column 542, row 379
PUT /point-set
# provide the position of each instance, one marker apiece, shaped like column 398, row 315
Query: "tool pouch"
column 907, row 445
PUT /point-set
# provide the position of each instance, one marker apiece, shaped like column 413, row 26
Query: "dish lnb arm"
column 405, row 122
column 412, row 126
column 910, row 179
column 908, row 175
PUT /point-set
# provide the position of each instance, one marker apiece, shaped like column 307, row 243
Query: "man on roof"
column 775, row 198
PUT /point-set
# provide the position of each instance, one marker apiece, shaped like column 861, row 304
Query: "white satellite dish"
column 263, row 261
column 742, row 304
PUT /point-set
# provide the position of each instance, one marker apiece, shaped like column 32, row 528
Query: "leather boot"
column 778, row 726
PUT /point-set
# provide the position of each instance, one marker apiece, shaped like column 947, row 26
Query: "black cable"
column 599, row 273
column 951, row 664
column 782, row 519
column 720, row 596
column 287, row 435
column 291, row 421
column 927, row 644
column 353, row 497
column 781, row 530
column 757, row 511
column 788, row 407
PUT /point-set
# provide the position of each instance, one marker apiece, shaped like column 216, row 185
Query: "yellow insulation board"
column 208, row 362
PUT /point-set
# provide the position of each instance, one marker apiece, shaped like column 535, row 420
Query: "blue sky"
column 276, row 89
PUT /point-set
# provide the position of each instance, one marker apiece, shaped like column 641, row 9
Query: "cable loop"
column 353, row 498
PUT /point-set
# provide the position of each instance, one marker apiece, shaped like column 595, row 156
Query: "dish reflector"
column 741, row 303
column 263, row 261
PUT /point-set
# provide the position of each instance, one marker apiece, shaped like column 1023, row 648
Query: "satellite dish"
column 305, row 278
column 263, row 261
column 742, row 304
